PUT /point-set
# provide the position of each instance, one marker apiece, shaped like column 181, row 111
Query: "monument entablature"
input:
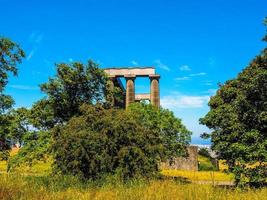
column 130, row 74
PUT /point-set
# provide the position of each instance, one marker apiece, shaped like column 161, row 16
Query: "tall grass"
column 27, row 188
column 36, row 183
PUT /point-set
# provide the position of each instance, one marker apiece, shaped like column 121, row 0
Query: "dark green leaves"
column 74, row 84
column 238, row 121
column 112, row 141
column 10, row 55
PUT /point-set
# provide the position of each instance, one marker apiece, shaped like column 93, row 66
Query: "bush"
column 102, row 142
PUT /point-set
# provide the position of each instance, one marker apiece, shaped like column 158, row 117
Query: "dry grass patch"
column 199, row 175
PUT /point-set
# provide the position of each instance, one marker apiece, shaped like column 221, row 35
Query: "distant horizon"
column 193, row 45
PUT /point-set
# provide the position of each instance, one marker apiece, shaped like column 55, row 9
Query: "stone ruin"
column 189, row 163
column 130, row 74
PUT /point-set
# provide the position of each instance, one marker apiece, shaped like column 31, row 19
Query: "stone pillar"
column 130, row 90
column 110, row 97
column 154, row 90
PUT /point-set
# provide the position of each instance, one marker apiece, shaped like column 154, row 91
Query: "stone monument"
column 130, row 74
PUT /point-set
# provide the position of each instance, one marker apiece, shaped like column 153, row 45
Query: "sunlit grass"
column 3, row 166
column 199, row 175
column 45, row 168
column 28, row 183
column 21, row 187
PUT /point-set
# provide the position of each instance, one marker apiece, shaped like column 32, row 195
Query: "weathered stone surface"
column 184, row 163
column 130, row 90
column 137, row 71
column 139, row 97
column 130, row 74
column 154, row 90
column 110, row 86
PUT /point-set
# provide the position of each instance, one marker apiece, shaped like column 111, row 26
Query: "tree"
column 42, row 115
column 74, row 84
column 113, row 141
column 170, row 129
column 19, row 125
column 32, row 128
column 238, row 119
column 10, row 55
column 36, row 147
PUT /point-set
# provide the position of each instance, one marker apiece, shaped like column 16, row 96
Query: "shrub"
column 102, row 142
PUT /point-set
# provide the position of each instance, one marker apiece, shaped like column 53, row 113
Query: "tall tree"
column 238, row 119
column 74, row 84
column 20, row 125
column 10, row 55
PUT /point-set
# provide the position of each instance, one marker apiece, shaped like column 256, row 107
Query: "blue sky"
column 193, row 44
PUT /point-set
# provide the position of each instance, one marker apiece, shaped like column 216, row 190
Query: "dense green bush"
column 109, row 141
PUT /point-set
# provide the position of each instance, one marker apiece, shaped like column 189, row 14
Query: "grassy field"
column 33, row 187
column 35, row 183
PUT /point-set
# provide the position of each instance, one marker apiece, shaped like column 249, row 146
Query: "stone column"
column 154, row 90
column 130, row 90
column 110, row 97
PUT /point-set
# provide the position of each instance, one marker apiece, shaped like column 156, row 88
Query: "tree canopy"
column 10, row 55
column 238, row 119
column 73, row 85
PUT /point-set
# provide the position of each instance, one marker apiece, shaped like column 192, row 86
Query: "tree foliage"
column 238, row 119
column 32, row 134
column 19, row 125
column 170, row 129
column 74, row 84
column 112, row 141
column 10, row 55
column 36, row 147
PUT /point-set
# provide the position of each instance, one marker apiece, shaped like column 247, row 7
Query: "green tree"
column 113, row 141
column 32, row 130
column 170, row 129
column 238, row 119
column 36, row 147
column 19, row 125
column 42, row 115
column 74, row 84
column 10, row 55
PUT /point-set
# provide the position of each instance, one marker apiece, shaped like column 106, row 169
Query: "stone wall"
column 184, row 163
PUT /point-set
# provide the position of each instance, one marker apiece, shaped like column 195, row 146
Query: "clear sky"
column 193, row 44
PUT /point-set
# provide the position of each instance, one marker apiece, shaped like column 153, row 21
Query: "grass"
column 205, row 164
column 26, row 187
column 45, row 169
column 35, row 183
column 40, row 168
column 199, row 175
